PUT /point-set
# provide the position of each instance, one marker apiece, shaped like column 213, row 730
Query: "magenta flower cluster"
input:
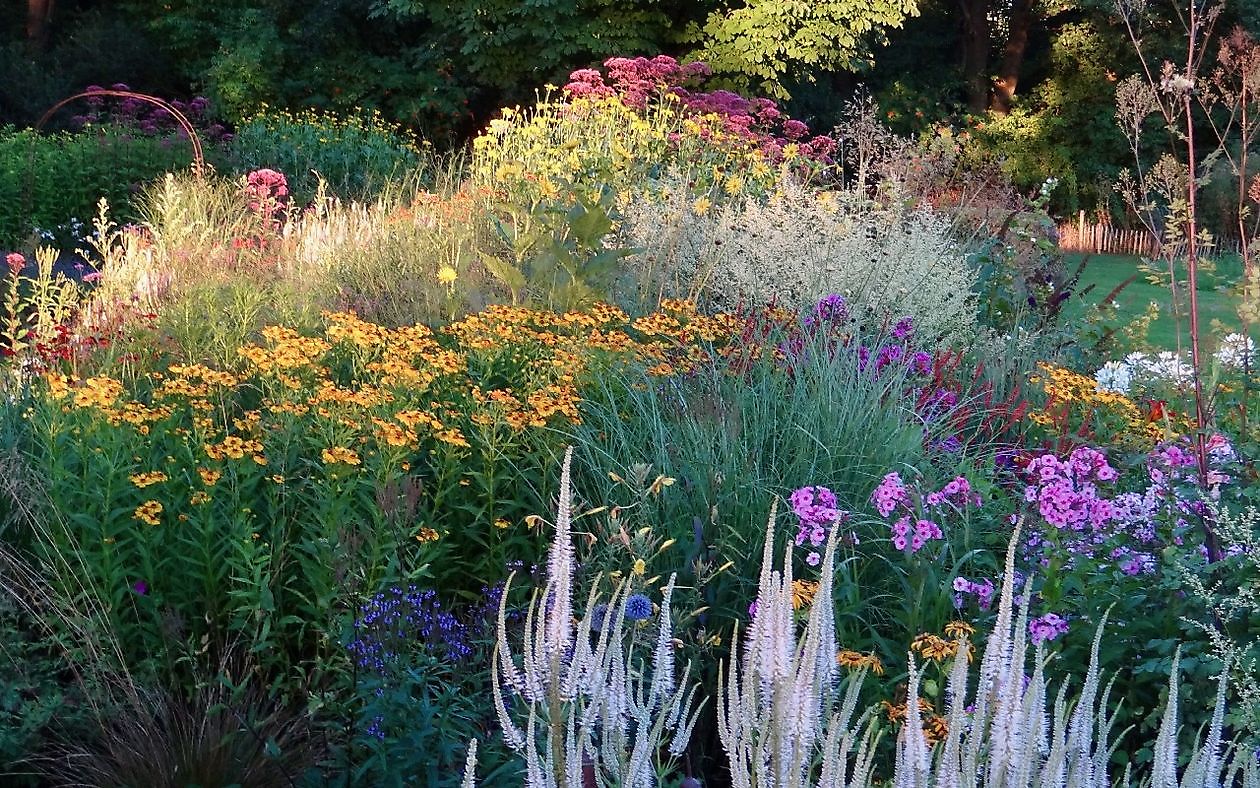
column 1122, row 531
column 890, row 495
column 1065, row 492
column 1046, row 628
column 817, row 513
column 639, row 80
column 1174, row 464
column 149, row 119
column 828, row 329
column 913, row 529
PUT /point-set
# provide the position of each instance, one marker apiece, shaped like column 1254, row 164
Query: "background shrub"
column 354, row 154
column 50, row 179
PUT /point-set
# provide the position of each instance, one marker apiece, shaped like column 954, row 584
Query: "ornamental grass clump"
column 592, row 709
column 800, row 244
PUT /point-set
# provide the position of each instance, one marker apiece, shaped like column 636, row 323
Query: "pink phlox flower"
column 890, row 494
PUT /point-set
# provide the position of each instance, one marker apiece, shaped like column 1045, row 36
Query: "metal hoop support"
column 199, row 161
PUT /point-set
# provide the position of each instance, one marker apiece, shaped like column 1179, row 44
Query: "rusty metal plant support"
column 199, row 159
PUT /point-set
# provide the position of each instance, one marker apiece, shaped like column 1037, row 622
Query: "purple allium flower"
column 140, row 587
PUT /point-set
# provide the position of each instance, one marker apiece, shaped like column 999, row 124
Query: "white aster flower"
column 1114, row 377
column 1236, row 351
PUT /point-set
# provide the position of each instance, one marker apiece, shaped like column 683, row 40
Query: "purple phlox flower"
column 817, row 512
column 140, row 587
column 1047, row 628
column 903, row 329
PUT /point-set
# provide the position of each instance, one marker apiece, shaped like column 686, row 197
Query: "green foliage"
column 767, row 42
column 510, row 48
column 1064, row 126
column 48, row 179
column 733, row 441
column 34, row 698
column 555, row 253
column 415, row 718
column 354, row 156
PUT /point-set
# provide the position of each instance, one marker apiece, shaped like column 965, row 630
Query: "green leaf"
column 505, row 272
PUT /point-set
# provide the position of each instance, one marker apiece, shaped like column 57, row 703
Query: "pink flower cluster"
column 911, row 530
column 817, row 512
column 923, row 530
column 147, row 118
column 1066, row 492
column 639, row 80
column 956, row 492
column 16, row 262
column 1176, row 462
column 267, row 190
column 891, row 494
column 1047, row 628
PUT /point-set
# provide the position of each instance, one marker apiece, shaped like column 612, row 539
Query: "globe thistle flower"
column 638, row 607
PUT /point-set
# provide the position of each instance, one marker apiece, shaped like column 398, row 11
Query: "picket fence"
column 1080, row 236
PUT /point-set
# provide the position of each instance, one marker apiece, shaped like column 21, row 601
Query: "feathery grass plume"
column 1011, row 738
column 591, row 706
column 779, row 711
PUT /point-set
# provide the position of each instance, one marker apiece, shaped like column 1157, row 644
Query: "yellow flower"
column 803, row 592
column 639, row 566
column 855, row 660
column 208, row 477
column 702, row 206
column 447, row 275
column 143, row 480
column 199, row 497
column 502, row 523
column 933, row 647
column 340, row 454
column 957, row 629
column 148, row 512
column 427, row 535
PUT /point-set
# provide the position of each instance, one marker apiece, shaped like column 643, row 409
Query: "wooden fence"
column 1079, row 236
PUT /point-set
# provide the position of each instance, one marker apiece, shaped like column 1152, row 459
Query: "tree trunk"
column 1012, row 58
column 38, row 15
column 975, row 41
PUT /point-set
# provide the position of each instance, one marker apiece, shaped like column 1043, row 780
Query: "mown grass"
column 1217, row 295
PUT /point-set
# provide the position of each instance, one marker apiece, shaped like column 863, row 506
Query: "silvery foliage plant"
column 1009, row 733
column 780, row 708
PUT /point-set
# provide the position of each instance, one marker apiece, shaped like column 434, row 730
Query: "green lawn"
column 1217, row 298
